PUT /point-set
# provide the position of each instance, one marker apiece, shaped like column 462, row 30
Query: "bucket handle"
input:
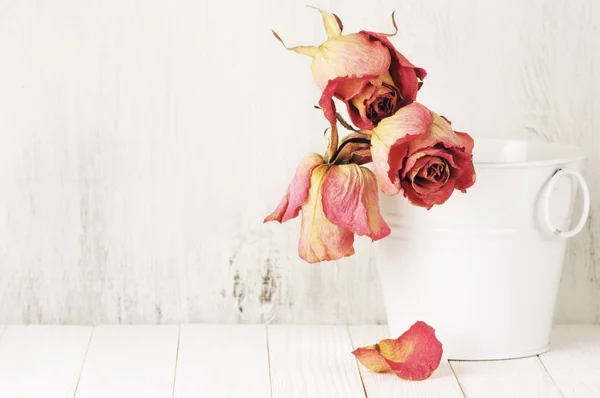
column 546, row 202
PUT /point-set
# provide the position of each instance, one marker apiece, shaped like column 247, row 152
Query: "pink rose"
column 363, row 70
column 416, row 151
column 379, row 91
column 338, row 199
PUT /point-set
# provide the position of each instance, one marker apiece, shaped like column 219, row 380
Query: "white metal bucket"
column 484, row 268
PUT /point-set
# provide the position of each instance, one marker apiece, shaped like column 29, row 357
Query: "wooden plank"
column 211, row 358
column 574, row 360
column 312, row 361
column 42, row 361
column 442, row 382
column 515, row 378
column 130, row 361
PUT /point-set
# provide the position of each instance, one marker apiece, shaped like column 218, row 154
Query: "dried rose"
column 363, row 70
column 416, row 151
column 412, row 356
column 338, row 199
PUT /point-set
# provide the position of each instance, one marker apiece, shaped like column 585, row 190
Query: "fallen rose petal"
column 415, row 354
column 412, row 356
column 371, row 359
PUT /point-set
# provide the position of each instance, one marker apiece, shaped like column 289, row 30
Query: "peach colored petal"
column 344, row 65
column 411, row 120
column 358, row 103
column 415, row 354
column 379, row 152
column 412, row 356
column 351, row 87
column 350, row 200
column 353, row 56
column 297, row 192
column 320, row 239
column 326, row 101
column 440, row 132
column 370, row 358
column 406, row 76
column 387, row 141
column 348, row 87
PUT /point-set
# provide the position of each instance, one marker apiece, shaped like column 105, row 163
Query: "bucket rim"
column 544, row 153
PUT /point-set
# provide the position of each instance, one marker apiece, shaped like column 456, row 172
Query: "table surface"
column 268, row 361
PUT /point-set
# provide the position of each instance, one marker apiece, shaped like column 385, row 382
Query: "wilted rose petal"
column 404, row 73
column 412, row 356
column 297, row 192
column 337, row 200
column 370, row 358
column 321, row 239
column 350, row 200
column 388, row 143
column 351, row 56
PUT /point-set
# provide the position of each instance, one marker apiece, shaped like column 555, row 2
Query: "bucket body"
column 484, row 268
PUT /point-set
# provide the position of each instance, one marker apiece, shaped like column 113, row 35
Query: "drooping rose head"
column 364, row 70
column 338, row 198
column 417, row 151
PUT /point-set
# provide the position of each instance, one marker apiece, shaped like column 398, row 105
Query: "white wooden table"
column 276, row 361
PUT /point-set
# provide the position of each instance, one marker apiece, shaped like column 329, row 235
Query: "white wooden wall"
column 143, row 142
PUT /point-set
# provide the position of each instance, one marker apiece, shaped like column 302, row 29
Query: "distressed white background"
column 143, row 142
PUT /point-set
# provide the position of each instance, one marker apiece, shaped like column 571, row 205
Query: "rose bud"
column 416, row 151
column 363, row 70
